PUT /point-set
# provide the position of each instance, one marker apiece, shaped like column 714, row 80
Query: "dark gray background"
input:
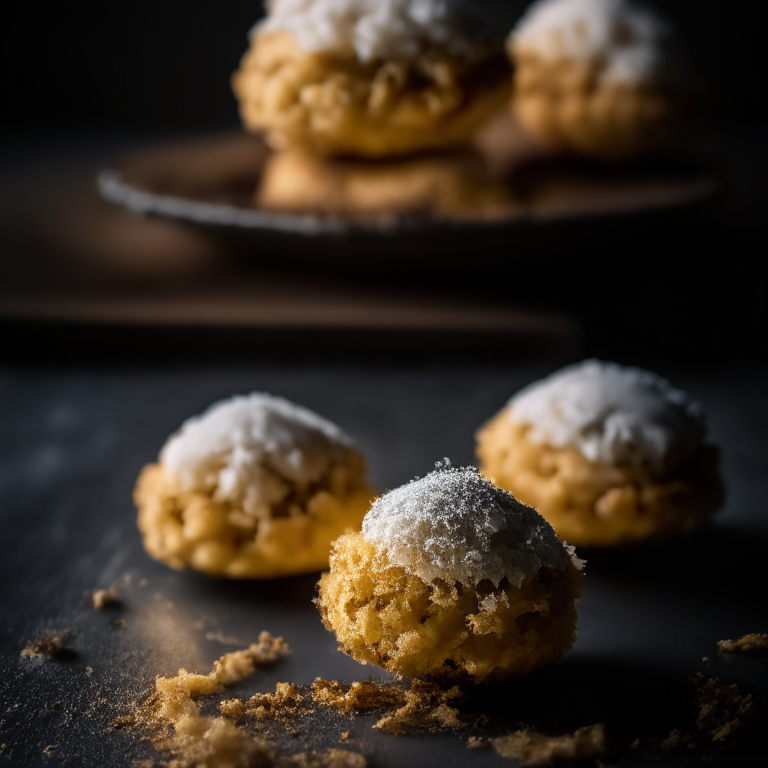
column 151, row 65
column 72, row 442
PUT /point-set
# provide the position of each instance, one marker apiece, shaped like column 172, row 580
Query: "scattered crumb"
column 358, row 696
column 749, row 645
column 48, row 644
column 705, row 659
column 102, row 598
column 3, row 747
column 344, row 736
column 50, row 750
column 220, row 637
column 88, row 671
column 119, row 623
column 722, row 710
column 478, row 742
column 284, row 705
column 427, row 708
column 530, row 748
column 143, row 764
column 173, row 721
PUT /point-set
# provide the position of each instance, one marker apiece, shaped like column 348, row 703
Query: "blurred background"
column 84, row 86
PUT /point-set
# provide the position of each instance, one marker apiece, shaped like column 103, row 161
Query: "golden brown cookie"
column 448, row 185
column 369, row 79
column 256, row 487
column 610, row 456
column 452, row 579
column 601, row 78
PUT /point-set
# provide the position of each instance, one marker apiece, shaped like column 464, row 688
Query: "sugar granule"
column 610, row 413
column 455, row 525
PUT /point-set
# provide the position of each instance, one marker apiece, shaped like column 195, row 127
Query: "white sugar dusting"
column 635, row 44
column 378, row 29
column 611, row 414
column 457, row 526
column 246, row 450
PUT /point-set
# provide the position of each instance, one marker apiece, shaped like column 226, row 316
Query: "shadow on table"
column 725, row 564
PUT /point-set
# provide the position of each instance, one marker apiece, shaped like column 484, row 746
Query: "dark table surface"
column 72, row 442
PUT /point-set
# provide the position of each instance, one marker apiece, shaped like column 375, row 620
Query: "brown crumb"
column 427, row 708
column 749, row 645
column 119, row 623
column 478, row 742
column 48, row 644
column 173, row 722
column 358, row 696
column 50, row 750
column 220, row 637
column 722, row 709
column 284, row 705
column 705, row 659
column 88, row 671
column 102, row 598
column 344, row 736
column 530, row 748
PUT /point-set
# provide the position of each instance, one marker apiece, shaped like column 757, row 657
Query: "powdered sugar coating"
column 635, row 44
column 378, row 29
column 611, row 414
column 455, row 525
column 248, row 449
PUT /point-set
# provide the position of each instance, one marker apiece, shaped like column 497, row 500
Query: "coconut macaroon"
column 450, row 185
column 609, row 455
column 370, row 79
column 255, row 487
column 453, row 579
column 603, row 78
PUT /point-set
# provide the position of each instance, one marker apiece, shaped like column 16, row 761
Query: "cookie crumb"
column 427, row 707
column 102, row 598
column 705, row 659
column 344, row 736
column 49, row 644
column 50, row 750
column 220, row 637
column 88, row 671
column 749, row 645
column 530, row 748
column 358, row 696
column 119, row 623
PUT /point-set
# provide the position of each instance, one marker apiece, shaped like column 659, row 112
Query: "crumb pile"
column 529, row 748
column 609, row 455
column 103, row 598
column 256, row 487
column 173, row 720
column 453, row 579
column 369, row 79
column 605, row 78
column 48, row 644
column 749, row 645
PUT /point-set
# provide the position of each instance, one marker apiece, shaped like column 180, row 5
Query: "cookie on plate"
column 454, row 185
column 370, row 79
column 601, row 78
